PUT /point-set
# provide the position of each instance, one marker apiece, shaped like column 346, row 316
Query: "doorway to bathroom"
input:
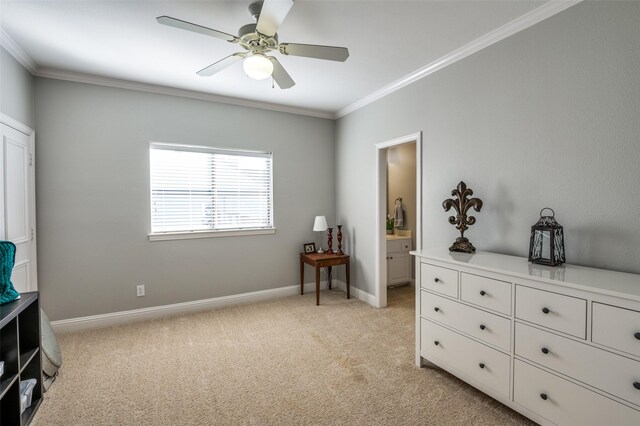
column 398, row 219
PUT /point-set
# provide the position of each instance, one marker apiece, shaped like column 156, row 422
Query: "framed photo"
column 310, row 248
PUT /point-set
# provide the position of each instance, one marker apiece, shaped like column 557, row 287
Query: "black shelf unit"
column 21, row 352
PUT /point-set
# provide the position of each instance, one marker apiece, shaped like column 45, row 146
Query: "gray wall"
column 93, row 198
column 547, row 117
column 16, row 90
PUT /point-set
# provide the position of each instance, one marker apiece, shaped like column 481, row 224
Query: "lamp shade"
column 320, row 224
column 258, row 66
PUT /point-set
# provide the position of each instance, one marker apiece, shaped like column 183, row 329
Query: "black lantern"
column 547, row 241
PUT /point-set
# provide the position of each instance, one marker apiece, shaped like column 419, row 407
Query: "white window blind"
column 207, row 189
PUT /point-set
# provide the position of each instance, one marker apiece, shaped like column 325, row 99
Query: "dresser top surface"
column 613, row 283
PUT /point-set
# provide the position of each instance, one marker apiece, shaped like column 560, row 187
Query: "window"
column 201, row 191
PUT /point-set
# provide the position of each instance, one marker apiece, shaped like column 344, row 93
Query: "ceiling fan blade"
column 330, row 53
column 271, row 16
column 184, row 25
column 280, row 75
column 221, row 64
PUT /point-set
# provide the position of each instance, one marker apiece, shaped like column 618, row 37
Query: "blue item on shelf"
column 7, row 258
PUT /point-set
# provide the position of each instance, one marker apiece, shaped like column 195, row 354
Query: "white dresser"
column 559, row 345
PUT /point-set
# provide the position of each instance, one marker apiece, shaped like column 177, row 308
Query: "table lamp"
column 320, row 225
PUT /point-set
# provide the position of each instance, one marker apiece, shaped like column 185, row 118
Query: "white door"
column 17, row 205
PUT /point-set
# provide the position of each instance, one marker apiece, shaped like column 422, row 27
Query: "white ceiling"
column 387, row 41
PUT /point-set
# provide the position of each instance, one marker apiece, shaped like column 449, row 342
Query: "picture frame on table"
column 309, row 248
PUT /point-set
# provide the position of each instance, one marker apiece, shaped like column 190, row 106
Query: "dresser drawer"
column 566, row 403
column 438, row 279
column 556, row 311
column 484, row 365
column 616, row 328
column 484, row 326
column 604, row 370
column 486, row 292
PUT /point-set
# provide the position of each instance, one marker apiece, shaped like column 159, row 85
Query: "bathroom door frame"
column 381, row 210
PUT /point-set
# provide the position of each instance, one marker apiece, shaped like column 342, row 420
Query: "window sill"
column 166, row 236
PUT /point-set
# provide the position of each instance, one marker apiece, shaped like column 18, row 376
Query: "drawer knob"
column 545, row 351
column 481, row 365
column 435, row 342
column 436, row 309
column 636, row 385
column 482, row 326
column 637, row 335
column 436, row 280
column 544, row 396
column 482, row 292
column 545, row 310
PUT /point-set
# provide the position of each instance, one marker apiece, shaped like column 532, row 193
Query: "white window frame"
column 183, row 235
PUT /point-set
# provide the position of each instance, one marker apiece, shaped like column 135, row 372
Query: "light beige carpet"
column 280, row 362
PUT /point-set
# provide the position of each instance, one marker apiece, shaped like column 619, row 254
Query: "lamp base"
column 462, row 245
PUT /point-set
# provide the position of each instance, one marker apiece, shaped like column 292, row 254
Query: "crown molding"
column 171, row 91
column 16, row 51
column 523, row 22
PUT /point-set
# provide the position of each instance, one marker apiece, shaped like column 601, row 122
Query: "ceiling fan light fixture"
column 258, row 39
column 258, row 66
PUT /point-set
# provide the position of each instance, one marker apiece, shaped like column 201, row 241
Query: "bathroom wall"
column 401, row 182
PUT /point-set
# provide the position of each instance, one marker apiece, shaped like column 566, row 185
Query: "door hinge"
column 31, row 159
column 32, row 233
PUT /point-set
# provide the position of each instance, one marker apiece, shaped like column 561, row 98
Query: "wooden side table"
column 323, row 260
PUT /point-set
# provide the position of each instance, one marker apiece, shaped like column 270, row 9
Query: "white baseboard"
column 367, row 298
column 123, row 317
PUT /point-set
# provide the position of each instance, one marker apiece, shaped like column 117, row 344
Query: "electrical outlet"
column 140, row 290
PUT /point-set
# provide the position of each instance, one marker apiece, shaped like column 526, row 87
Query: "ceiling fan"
column 259, row 39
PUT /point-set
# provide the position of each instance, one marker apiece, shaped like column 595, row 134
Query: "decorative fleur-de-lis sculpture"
column 461, row 220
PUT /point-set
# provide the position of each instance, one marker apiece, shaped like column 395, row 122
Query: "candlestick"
column 339, row 240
